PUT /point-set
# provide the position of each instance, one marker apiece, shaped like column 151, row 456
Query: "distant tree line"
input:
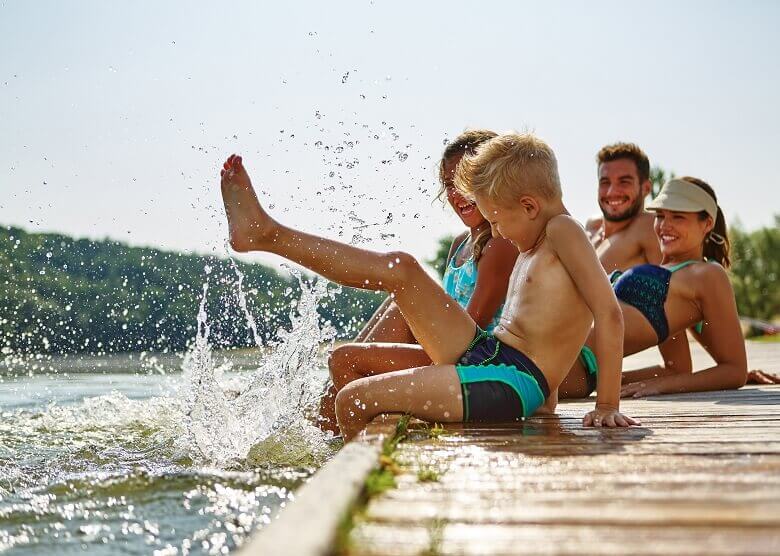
column 756, row 270
column 65, row 295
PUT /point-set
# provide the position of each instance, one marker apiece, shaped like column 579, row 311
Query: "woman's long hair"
column 716, row 244
column 466, row 144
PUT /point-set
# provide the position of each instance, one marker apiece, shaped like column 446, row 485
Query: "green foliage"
column 62, row 295
column 427, row 474
column 437, row 431
column 435, row 537
column 439, row 260
column 756, row 270
column 658, row 177
column 379, row 480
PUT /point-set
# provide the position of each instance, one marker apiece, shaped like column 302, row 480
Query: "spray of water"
column 264, row 410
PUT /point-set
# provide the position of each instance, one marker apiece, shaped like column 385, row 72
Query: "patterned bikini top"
column 459, row 282
column 645, row 287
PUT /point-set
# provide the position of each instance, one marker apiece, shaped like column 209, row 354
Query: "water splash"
column 225, row 419
column 250, row 320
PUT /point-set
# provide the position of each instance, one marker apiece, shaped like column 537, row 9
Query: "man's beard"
column 628, row 214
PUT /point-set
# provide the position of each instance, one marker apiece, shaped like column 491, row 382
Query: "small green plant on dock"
column 437, row 431
column 378, row 481
column 383, row 478
column 427, row 474
column 435, row 537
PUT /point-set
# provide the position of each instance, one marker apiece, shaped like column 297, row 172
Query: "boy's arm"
column 579, row 259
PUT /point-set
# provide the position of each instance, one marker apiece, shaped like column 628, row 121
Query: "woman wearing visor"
column 689, row 289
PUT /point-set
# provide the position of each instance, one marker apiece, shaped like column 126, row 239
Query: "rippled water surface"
column 134, row 454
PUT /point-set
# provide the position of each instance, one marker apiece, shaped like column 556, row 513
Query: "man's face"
column 621, row 195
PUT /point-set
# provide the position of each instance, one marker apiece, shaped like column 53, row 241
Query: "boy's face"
column 621, row 195
column 510, row 221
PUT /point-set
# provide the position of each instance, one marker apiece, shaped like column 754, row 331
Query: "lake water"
column 140, row 454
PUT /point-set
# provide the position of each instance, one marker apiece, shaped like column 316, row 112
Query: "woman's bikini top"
column 645, row 287
column 459, row 282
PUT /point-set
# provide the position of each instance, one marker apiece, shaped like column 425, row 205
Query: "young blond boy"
column 557, row 291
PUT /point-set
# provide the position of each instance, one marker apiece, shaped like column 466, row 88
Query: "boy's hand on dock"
column 607, row 417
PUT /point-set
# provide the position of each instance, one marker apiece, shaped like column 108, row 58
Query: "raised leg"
column 441, row 326
column 429, row 393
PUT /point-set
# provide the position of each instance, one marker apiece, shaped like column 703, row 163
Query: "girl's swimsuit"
column 644, row 287
column 498, row 382
column 459, row 282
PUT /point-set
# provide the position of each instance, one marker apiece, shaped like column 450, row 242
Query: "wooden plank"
column 701, row 476
column 374, row 539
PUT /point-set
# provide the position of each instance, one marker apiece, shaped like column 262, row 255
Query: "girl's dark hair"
column 716, row 244
column 466, row 144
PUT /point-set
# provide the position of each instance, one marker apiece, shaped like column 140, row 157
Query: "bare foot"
column 249, row 224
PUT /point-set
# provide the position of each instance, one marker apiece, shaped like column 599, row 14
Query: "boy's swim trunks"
column 499, row 383
column 588, row 360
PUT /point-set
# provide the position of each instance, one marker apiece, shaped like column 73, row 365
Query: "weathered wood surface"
column 700, row 476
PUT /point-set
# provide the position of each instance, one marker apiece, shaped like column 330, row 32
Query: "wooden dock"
column 700, row 476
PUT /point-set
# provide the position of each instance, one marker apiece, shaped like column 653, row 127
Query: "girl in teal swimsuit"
column 476, row 277
column 684, row 291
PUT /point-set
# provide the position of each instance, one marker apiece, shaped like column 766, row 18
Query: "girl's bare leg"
column 429, row 393
column 575, row 385
column 442, row 327
column 351, row 362
column 391, row 327
column 386, row 325
column 366, row 330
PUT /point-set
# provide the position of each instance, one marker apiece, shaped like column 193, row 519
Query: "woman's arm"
column 493, row 272
column 677, row 360
column 722, row 338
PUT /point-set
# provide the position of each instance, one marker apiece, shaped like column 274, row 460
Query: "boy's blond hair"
column 509, row 166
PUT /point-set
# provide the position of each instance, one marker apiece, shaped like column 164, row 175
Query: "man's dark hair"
column 629, row 151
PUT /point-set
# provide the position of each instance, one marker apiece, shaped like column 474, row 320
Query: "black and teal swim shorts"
column 498, row 382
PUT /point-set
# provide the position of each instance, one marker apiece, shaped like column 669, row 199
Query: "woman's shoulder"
column 709, row 274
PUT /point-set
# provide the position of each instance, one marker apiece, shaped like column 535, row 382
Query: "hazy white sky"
column 115, row 116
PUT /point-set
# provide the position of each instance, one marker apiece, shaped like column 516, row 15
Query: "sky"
column 115, row 116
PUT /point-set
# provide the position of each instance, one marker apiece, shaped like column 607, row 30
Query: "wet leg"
column 391, row 327
column 575, row 385
column 441, row 326
column 351, row 362
column 429, row 393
